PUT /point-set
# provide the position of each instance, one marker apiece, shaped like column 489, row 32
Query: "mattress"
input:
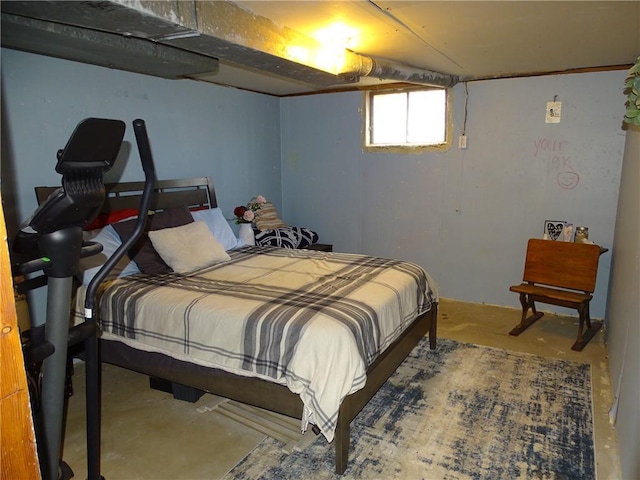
column 313, row 321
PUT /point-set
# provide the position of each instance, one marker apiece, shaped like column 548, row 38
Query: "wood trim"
column 17, row 436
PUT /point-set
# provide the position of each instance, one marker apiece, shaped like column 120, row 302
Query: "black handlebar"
column 149, row 185
column 140, row 130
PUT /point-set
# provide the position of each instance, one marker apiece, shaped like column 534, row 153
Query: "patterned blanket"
column 313, row 321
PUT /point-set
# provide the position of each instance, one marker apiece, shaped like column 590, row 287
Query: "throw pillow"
column 110, row 241
column 219, row 226
column 107, row 218
column 267, row 218
column 189, row 247
column 288, row 237
column 142, row 252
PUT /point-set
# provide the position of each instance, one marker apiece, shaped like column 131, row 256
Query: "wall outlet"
column 553, row 113
column 462, row 141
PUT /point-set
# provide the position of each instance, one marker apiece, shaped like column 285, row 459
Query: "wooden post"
column 19, row 457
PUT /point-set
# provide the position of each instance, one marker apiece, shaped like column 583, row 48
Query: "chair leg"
column 587, row 315
column 584, row 336
column 525, row 322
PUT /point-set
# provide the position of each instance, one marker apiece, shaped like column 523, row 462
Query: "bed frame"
column 199, row 193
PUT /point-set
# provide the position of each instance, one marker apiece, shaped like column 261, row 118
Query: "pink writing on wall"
column 566, row 176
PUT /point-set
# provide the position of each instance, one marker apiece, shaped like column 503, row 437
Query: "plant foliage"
column 632, row 91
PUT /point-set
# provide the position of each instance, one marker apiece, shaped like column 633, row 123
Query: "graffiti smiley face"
column 568, row 180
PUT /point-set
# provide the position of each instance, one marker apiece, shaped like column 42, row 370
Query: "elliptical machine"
column 52, row 240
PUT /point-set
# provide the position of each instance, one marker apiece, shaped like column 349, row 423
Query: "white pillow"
column 110, row 241
column 188, row 247
column 219, row 226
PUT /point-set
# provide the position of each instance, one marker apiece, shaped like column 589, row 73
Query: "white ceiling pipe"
column 388, row 70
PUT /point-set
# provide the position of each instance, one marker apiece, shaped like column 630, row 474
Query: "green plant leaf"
column 632, row 116
column 631, row 90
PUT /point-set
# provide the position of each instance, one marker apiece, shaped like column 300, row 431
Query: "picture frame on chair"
column 557, row 230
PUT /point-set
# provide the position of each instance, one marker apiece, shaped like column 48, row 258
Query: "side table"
column 323, row 247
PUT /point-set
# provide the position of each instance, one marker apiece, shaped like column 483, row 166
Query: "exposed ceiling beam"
column 102, row 48
column 205, row 29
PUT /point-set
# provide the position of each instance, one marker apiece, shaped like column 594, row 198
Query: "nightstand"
column 323, row 247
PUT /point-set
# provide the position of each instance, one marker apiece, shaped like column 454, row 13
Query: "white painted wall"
column 623, row 311
column 465, row 215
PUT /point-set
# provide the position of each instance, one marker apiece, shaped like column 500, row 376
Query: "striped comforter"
column 312, row 321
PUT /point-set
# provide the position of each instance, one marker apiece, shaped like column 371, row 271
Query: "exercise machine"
column 51, row 241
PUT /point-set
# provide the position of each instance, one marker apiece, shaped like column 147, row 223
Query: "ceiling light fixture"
column 334, row 40
column 327, row 49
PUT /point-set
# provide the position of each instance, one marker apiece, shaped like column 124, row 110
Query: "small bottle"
column 582, row 234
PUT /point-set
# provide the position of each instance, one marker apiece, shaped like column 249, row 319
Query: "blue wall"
column 465, row 215
column 195, row 129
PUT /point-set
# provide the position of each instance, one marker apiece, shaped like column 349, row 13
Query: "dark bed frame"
column 199, row 193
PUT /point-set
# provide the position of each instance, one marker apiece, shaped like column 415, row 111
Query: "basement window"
column 409, row 118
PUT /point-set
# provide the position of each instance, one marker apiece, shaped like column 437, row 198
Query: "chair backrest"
column 569, row 265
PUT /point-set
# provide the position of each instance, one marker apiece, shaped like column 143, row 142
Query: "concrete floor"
column 146, row 434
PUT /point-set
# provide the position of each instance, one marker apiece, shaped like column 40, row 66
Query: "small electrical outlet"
column 553, row 113
column 462, row 141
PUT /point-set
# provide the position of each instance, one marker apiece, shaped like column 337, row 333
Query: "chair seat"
column 551, row 293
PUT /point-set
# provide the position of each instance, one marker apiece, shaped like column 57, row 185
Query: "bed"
column 308, row 334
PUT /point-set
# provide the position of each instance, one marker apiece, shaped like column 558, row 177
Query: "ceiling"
column 246, row 44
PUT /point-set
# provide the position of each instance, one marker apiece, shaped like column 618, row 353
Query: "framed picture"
column 558, row 230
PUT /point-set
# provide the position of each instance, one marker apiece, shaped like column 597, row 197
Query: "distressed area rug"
column 460, row 412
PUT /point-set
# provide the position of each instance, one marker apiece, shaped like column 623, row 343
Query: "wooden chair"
column 563, row 274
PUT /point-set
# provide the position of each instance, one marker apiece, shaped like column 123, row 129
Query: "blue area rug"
column 460, row 412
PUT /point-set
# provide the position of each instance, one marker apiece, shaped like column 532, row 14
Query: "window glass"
column 415, row 117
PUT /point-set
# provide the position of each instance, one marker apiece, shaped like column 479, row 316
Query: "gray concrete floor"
column 146, row 434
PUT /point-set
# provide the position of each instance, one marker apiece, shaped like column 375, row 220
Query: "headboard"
column 195, row 193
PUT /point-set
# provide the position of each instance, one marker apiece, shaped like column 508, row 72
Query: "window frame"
column 406, row 148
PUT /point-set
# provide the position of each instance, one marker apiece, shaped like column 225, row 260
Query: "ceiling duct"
column 102, row 48
column 388, row 70
column 181, row 38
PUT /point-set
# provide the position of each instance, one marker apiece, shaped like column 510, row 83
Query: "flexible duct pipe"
column 387, row 70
